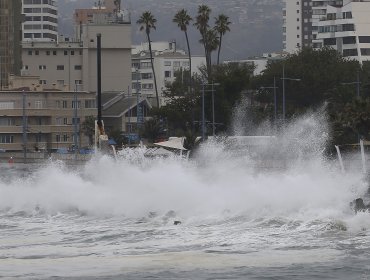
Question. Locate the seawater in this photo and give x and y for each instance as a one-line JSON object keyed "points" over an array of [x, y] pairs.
{"points": [[289, 218]]}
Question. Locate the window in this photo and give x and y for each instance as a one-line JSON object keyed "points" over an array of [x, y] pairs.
{"points": [[65, 137], [60, 83], [47, 52], [90, 103], [25, 67], [74, 104], [72, 52], [57, 138], [65, 121], [60, 67], [146, 75], [145, 65], [64, 104], [167, 63], [4, 121], [364, 39], [37, 52], [65, 52], [330, 42], [78, 67], [59, 121], [349, 40], [5, 138], [54, 52], [167, 74], [42, 82], [75, 121], [38, 104], [42, 67], [176, 63], [350, 52], [147, 86], [29, 52], [78, 82], [57, 104], [365, 52]]}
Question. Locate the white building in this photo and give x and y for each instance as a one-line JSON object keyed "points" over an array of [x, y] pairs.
{"points": [[347, 29], [167, 60], [300, 22], [40, 20]]}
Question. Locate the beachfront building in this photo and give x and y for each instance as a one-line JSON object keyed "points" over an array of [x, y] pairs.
{"points": [[42, 120], [347, 29], [167, 61]]}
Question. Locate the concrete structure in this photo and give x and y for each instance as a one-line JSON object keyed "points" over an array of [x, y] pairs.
{"points": [[167, 60], [347, 29], [65, 64], [10, 27], [40, 20], [300, 22], [43, 120]]}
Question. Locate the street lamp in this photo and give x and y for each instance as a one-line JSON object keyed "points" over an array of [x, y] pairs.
{"points": [[289, 79], [213, 109], [275, 98], [357, 83]]}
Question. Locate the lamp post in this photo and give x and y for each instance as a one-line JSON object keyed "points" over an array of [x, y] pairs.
{"points": [[213, 108], [283, 79], [24, 127], [275, 97], [357, 83]]}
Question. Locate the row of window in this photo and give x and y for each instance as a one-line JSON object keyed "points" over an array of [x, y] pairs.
{"points": [[347, 40], [336, 28], [39, 35], [41, 18], [65, 121], [39, 26], [40, 10], [54, 52], [60, 82], [354, 52], [31, 2], [59, 67]]}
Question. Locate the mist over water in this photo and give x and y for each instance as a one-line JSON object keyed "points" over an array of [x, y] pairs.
{"points": [[273, 205]]}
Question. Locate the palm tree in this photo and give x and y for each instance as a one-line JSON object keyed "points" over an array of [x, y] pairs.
{"points": [[183, 19], [147, 22], [222, 26], [201, 23]]}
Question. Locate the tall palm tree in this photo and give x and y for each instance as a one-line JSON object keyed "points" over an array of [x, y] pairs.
{"points": [[183, 19], [202, 25], [147, 22], [222, 26]]}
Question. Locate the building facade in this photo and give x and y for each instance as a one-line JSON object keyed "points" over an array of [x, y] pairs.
{"points": [[43, 120], [347, 29], [167, 60], [67, 64], [40, 20], [10, 28], [301, 20]]}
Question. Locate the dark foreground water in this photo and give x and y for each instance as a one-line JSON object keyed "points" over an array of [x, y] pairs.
{"points": [[115, 220]]}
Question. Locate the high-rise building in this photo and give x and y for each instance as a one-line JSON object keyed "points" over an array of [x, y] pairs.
{"points": [[301, 20], [10, 58], [341, 24], [40, 21]]}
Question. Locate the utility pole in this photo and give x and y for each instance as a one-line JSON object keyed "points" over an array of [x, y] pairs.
{"points": [[75, 123], [24, 128], [290, 79]]}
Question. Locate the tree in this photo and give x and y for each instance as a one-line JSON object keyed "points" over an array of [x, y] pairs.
{"points": [[221, 26], [202, 25], [88, 128], [147, 22], [183, 20], [152, 129]]}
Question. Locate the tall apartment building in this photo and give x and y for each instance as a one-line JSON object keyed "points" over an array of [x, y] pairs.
{"points": [[10, 21], [40, 20], [300, 22], [347, 29]]}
